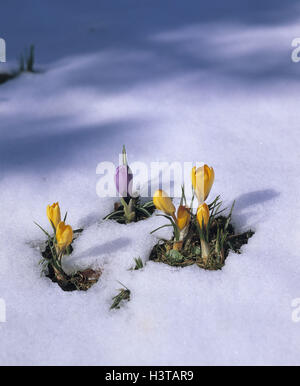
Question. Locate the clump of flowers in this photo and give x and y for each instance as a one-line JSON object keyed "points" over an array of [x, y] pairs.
{"points": [[204, 237], [180, 221], [57, 246], [130, 208]]}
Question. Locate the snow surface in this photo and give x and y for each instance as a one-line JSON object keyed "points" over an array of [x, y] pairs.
{"points": [[174, 81]]}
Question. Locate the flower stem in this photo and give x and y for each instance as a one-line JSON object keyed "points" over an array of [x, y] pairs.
{"points": [[178, 230], [124, 155], [204, 250]]}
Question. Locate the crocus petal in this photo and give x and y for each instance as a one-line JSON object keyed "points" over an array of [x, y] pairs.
{"points": [[203, 214], [202, 181], [53, 214], [64, 235], [163, 202], [183, 217], [123, 180]]}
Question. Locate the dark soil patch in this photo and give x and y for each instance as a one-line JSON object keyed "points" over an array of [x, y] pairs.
{"points": [[79, 281], [191, 250]]}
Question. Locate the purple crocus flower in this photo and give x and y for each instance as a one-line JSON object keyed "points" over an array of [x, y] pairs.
{"points": [[123, 177]]}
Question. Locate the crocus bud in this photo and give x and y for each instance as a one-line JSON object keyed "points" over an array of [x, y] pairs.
{"points": [[163, 202], [53, 214], [202, 181], [183, 217], [64, 235], [123, 177], [203, 215]]}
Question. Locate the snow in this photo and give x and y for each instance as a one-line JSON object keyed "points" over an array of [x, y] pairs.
{"points": [[174, 83]]}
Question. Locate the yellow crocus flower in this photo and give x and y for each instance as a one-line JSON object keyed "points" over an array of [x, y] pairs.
{"points": [[163, 202], [183, 217], [64, 235], [202, 181], [53, 214], [203, 215]]}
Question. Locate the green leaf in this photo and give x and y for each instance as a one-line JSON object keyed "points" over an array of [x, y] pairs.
{"points": [[126, 207], [183, 198], [192, 200], [80, 230], [219, 212], [214, 202], [163, 226], [175, 227], [144, 211], [46, 233], [138, 263], [54, 229], [229, 216], [68, 250], [124, 294], [117, 212], [148, 204]]}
